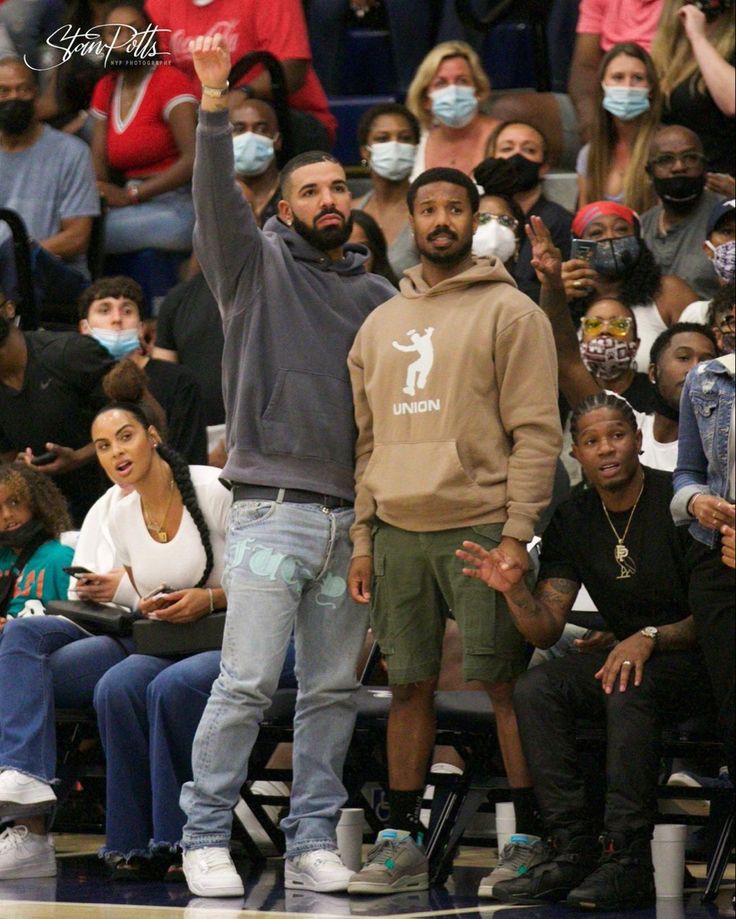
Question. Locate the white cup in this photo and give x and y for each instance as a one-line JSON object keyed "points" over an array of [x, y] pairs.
{"points": [[668, 858], [505, 823], [670, 908], [350, 837]]}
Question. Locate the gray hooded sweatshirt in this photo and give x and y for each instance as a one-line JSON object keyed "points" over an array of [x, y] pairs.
{"points": [[290, 315]]}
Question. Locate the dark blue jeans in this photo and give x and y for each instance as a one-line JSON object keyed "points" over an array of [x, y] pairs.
{"points": [[148, 710], [45, 662]]}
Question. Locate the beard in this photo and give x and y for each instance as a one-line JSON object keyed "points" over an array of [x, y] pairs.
{"points": [[448, 259], [325, 239]]}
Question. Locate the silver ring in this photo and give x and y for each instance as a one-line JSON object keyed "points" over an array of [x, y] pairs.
{"points": [[577, 284], [627, 663]]}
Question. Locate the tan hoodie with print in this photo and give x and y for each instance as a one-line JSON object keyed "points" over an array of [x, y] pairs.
{"points": [[455, 391]]}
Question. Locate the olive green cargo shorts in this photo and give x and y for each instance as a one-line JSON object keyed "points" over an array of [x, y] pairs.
{"points": [[417, 581]]}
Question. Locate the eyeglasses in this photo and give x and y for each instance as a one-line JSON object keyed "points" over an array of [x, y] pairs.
{"points": [[665, 161], [503, 219], [619, 328]]}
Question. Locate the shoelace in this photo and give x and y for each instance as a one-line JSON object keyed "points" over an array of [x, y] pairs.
{"points": [[379, 855], [322, 859], [214, 859], [12, 837], [515, 854]]}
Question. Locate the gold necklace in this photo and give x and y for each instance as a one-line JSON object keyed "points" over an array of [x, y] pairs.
{"points": [[158, 531], [626, 564]]}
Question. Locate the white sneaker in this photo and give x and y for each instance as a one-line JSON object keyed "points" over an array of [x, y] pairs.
{"points": [[17, 788], [320, 870], [210, 872], [26, 855]]}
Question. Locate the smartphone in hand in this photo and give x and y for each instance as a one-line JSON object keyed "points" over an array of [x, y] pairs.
{"points": [[43, 459], [583, 249], [76, 571]]}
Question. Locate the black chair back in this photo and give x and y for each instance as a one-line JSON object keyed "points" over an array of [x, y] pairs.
{"points": [[27, 306]]}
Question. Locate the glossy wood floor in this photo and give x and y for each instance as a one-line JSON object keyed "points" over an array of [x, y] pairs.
{"points": [[82, 891]]}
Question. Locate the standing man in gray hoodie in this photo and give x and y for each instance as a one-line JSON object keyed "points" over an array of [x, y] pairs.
{"points": [[291, 302]]}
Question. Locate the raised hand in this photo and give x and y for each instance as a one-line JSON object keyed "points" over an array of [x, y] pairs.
{"points": [[211, 59], [494, 567], [693, 21], [546, 257]]}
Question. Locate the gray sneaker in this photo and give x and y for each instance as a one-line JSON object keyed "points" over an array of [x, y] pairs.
{"points": [[519, 855], [394, 863]]}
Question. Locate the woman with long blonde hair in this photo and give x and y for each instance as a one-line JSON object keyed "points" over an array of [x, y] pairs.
{"points": [[628, 106], [694, 56], [445, 95]]}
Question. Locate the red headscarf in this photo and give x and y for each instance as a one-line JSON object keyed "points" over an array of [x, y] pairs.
{"points": [[596, 209]]}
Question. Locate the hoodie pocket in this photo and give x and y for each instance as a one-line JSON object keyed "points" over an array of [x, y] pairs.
{"points": [[310, 415], [415, 479]]}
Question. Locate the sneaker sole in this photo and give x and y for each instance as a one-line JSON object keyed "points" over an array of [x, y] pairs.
{"points": [[230, 891], [305, 882], [405, 882], [46, 869], [22, 807]]}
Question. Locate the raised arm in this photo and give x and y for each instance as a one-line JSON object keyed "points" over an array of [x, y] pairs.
{"points": [[227, 240], [576, 382], [718, 74]]}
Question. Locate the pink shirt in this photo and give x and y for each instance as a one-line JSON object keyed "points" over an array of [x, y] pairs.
{"points": [[619, 21]]}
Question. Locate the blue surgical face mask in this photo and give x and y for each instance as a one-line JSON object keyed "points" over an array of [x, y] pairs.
{"points": [[119, 344], [253, 153], [392, 160], [625, 102], [454, 106]]}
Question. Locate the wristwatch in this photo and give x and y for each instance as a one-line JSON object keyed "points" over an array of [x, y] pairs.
{"points": [[651, 631], [216, 92]]}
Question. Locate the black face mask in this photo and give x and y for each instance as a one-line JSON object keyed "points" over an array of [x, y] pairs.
{"points": [[680, 193], [16, 115], [22, 535], [527, 172], [613, 258], [662, 407]]}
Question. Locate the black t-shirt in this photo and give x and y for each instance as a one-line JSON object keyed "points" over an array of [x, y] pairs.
{"points": [[60, 395], [558, 221], [697, 111], [189, 323], [177, 392], [640, 395], [579, 546]]}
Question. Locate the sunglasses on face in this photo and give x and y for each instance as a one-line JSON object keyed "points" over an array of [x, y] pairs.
{"points": [[510, 222], [619, 328]]}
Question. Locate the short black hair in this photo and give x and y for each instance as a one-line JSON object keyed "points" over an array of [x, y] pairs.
{"points": [[662, 341], [443, 174], [308, 158], [118, 285], [603, 399], [386, 108]]}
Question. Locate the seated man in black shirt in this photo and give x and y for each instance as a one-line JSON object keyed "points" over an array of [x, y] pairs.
{"points": [[618, 539]]}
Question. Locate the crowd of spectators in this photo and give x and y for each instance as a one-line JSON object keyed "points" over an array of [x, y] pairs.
{"points": [[608, 329]]}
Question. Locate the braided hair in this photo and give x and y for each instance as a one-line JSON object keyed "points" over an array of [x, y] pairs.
{"points": [[603, 399], [125, 386]]}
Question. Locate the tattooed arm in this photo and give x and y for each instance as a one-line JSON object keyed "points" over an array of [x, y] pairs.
{"points": [[539, 617]]}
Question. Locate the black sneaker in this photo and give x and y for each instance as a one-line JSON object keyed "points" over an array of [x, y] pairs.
{"points": [[624, 878], [570, 862]]}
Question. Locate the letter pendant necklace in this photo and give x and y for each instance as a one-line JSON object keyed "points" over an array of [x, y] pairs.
{"points": [[158, 531], [627, 565]]}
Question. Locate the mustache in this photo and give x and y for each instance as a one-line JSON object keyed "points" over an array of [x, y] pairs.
{"points": [[325, 211], [441, 231]]}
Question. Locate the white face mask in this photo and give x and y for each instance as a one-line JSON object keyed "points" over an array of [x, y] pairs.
{"points": [[493, 239], [393, 160]]}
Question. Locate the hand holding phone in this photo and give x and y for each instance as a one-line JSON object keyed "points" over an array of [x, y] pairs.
{"points": [[583, 249], [76, 571], [43, 459]]}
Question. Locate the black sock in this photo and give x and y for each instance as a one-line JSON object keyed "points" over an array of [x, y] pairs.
{"points": [[404, 810], [528, 818]]}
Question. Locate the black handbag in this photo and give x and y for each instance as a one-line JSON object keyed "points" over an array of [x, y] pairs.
{"points": [[95, 618], [172, 639]]}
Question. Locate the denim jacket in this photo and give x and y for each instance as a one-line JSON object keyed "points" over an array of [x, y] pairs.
{"points": [[702, 455]]}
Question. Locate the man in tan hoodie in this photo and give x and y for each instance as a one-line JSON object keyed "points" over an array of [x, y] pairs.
{"points": [[455, 390]]}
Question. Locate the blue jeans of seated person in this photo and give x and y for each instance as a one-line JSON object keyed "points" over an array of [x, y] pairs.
{"points": [[148, 709], [165, 222], [45, 663], [285, 568]]}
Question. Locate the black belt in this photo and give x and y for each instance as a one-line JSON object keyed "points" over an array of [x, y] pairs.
{"points": [[285, 495]]}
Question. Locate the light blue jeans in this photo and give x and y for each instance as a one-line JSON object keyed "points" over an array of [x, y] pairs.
{"points": [[285, 568], [165, 222]]}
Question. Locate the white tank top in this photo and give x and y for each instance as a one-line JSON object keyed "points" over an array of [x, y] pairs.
{"points": [[649, 325], [654, 454]]}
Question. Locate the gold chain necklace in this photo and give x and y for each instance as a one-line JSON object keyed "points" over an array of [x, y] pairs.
{"points": [[158, 531], [626, 564]]}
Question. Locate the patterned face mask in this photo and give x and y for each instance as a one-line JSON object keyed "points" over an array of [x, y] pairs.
{"points": [[607, 357], [724, 260]]}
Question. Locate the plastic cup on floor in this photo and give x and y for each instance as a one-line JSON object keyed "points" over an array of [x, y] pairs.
{"points": [[668, 858], [350, 837], [505, 823]]}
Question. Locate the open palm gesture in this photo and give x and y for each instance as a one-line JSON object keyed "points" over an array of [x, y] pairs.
{"points": [[494, 567], [211, 59], [546, 257]]}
